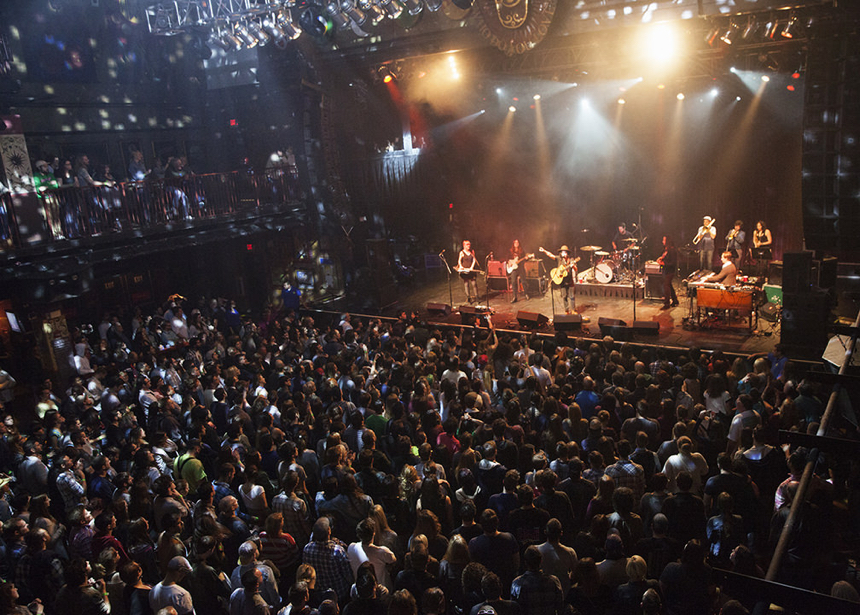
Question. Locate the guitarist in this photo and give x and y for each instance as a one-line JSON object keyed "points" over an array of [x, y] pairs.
{"points": [[517, 256], [467, 266], [562, 276]]}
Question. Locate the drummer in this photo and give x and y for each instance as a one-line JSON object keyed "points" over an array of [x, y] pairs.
{"points": [[623, 238]]}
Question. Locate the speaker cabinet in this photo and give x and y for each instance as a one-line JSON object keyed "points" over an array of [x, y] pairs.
{"points": [[646, 327], [796, 272], [774, 273], [439, 309], [496, 269], [532, 269], [613, 326], [567, 322], [531, 320], [827, 272], [804, 322], [654, 286]]}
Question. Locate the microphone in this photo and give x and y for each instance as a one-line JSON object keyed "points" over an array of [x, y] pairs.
{"points": [[442, 252]]}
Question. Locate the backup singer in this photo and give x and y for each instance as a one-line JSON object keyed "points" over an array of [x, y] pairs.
{"points": [[762, 247], [735, 239], [669, 261], [562, 275], [467, 263], [705, 242]]}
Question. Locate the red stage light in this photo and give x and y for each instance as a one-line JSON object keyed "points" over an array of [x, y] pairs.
{"points": [[249, 247], [450, 205], [790, 88], [387, 79], [795, 75], [234, 122]]}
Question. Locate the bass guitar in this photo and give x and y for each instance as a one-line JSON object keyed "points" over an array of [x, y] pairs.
{"points": [[467, 272], [514, 263]]}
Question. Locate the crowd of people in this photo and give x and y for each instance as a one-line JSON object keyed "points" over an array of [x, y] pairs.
{"points": [[202, 461]]}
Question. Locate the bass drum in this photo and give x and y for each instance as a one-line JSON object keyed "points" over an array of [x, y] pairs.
{"points": [[605, 271]]}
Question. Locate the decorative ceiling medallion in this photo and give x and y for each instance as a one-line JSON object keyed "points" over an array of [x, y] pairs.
{"points": [[512, 13], [515, 26]]}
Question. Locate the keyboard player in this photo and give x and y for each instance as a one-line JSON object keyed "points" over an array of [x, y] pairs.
{"points": [[728, 272]]}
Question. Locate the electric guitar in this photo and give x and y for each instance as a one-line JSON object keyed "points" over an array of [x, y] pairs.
{"points": [[514, 263], [466, 272]]}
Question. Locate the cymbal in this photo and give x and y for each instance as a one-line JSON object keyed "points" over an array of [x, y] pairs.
{"points": [[634, 248], [601, 253], [590, 248]]}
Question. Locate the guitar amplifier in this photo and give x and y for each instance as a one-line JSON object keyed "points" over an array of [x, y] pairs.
{"points": [[653, 267], [496, 269], [532, 268]]}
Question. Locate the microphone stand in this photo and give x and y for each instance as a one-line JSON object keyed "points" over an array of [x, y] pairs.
{"points": [[448, 268], [487, 280]]}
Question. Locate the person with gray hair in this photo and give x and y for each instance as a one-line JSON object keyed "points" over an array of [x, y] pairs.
{"points": [[248, 552]]}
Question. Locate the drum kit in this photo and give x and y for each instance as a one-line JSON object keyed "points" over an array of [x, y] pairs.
{"points": [[618, 266]]}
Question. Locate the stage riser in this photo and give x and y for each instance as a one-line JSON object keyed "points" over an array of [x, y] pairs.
{"points": [[607, 290]]}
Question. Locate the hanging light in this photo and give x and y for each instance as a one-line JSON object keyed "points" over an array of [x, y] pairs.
{"points": [[750, 29], [792, 28], [338, 17], [712, 36], [217, 39], [729, 35], [270, 25], [771, 29], [433, 5], [231, 41], [290, 29], [392, 7], [413, 7], [242, 33], [258, 33], [372, 10], [350, 7]]}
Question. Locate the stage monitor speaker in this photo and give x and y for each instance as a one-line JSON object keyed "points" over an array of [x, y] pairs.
{"points": [[469, 315], [769, 311], [827, 272], [646, 327], [531, 320], [796, 272], [496, 269], [439, 308], [567, 322], [613, 326], [654, 286], [774, 273]]}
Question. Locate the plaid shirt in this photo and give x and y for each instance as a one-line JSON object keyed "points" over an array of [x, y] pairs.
{"points": [[296, 518], [537, 593], [331, 563], [73, 492], [628, 474]]}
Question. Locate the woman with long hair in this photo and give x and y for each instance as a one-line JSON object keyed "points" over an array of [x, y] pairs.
{"points": [[451, 568], [432, 498]]}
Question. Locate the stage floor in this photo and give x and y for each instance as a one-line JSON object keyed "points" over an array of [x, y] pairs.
{"points": [[676, 328]]}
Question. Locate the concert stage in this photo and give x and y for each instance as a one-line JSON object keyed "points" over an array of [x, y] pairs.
{"points": [[678, 327]]}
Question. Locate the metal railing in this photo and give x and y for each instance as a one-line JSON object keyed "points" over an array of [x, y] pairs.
{"points": [[75, 213]]}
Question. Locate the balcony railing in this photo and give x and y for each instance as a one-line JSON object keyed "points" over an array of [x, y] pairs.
{"points": [[74, 213]]}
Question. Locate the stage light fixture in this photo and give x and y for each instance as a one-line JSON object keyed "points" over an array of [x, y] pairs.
{"points": [[291, 30], [621, 101], [730, 34], [338, 17], [792, 28], [257, 32], [392, 8], [217, 39], [242, 33], [512, 109], [270, 25], [680, 96], [372, 10], [750, 29], [433, 5], [350, 7], [771, 29], [413, 7], [536, 96], [713, 33], [765, 78]]}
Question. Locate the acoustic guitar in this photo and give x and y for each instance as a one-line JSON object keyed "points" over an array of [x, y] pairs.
{"points": [[558, 274], [514, 263]]}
